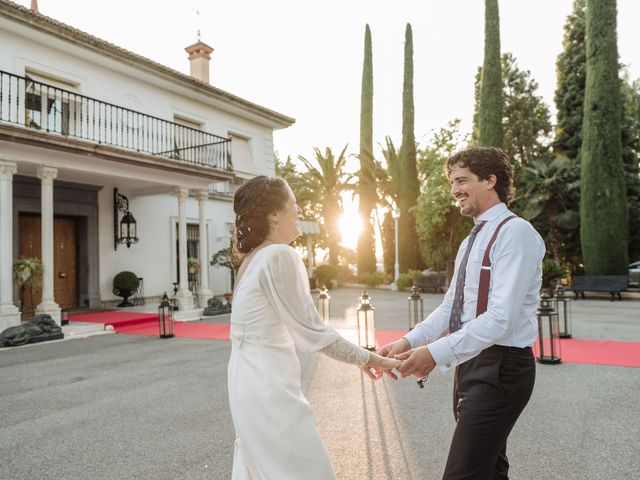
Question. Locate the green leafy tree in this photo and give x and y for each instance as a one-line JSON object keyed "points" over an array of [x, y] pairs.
{"points": [[603, 203], [542, 201], [389, 181], [325, 180], [408, 248], [571, 75], [631, 158], [569, 99], [440, 225], [367, 181], [491, 103]]}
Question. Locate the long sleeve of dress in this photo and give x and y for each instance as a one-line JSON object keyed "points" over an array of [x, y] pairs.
{"points": [[285, 282], [345, 351]]}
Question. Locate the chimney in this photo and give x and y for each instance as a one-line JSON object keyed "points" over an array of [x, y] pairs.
{"points": [[34, 5], [199, 56]]}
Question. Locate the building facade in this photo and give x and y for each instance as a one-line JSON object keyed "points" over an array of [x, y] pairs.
{"points": [[111, 162]]}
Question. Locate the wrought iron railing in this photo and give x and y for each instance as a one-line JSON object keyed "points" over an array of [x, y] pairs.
{"points": [[38, 105], [227, 188]]}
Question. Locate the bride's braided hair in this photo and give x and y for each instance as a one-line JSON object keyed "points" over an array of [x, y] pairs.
{"points": [[252, 203]]}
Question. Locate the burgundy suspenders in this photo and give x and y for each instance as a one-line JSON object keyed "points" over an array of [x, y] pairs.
{"points": [[485, 272]]}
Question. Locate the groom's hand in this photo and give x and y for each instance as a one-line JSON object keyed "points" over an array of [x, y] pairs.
{"points": [[418, 362], [391, 350]]}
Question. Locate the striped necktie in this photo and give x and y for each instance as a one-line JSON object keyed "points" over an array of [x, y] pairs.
{"points": [[458, 299]]}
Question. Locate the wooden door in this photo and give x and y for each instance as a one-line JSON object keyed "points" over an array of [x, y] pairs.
{"points": [[65, 284]]}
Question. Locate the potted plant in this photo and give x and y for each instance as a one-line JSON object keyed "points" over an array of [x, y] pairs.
{"points": [[27, 271], [193, 266], [552, 273], [224, 258], [125, 284]]}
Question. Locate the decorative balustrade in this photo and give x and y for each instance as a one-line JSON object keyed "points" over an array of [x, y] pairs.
{"points": [[40, 106]]}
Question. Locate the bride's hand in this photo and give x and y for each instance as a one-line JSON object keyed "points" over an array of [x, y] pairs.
{"points": [[377, 365]]}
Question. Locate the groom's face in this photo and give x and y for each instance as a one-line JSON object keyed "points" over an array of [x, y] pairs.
{"points": [[472, 194]]}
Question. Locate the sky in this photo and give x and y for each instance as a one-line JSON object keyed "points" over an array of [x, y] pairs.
{"points": [[304, 58]]}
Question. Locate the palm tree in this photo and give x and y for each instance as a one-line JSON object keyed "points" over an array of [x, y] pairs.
{"points": [[389, 181], [544, 199], [324, 183]]}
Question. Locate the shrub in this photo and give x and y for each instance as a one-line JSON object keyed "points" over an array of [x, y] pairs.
{"points": [[125, 282], [552, 273], [404, 280], [344, 275], [324, 274], [372, 279]]}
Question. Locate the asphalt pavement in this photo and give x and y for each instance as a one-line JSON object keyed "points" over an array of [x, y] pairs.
{"points": [[133, 407]]}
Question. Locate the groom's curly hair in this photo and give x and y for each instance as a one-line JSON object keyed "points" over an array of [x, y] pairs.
{"points": [[253, 201], [484, 162]]}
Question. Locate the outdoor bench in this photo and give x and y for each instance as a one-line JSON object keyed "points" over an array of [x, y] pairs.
{"points": [[613, 284], [432, 282]]}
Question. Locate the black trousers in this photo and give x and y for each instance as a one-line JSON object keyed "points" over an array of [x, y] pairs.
{"points": [[489, 393]]}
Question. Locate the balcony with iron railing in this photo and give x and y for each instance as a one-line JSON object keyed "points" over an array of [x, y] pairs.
{"points": [[44, 107]]}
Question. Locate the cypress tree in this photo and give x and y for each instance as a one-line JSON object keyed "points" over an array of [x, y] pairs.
{"points": [[603, 202], [367, 182], [491, 102], [408, 248], [571, 74], [571, 68]]}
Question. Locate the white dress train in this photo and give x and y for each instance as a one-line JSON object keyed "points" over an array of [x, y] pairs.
{"points": [[273, 313]]}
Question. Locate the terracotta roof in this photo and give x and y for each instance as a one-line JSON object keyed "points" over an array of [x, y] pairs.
{"points": [[51, 26]]}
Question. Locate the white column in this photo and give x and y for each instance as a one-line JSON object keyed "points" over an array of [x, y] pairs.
{"points": [[48, 304], [204, 293], [9, 313], [185, 299]]}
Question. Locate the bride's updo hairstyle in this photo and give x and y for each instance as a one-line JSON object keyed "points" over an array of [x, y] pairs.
{"points": [[252, 203]]}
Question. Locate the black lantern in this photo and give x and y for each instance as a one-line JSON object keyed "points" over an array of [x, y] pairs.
{"points": [[416, 308], [562, 303], [323, 304], [64, 317], [548, 331], [126, 230], [165, 317], [366, 323]]}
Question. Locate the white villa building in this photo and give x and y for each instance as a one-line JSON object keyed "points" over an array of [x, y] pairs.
{"points": [[92, 135]]}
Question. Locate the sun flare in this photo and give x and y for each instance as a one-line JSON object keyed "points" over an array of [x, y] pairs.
{"points": [[350, 229]]}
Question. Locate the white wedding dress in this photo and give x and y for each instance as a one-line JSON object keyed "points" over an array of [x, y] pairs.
{"points": [[273, 313]]}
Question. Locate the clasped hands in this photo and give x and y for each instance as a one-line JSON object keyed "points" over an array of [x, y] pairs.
{"points": [[399, 355]]}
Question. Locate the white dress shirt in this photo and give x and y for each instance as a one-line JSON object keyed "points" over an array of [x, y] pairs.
{"points": [[516, 277]]}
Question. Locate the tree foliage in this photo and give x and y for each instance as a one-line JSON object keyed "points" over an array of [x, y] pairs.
{"points": [[439, 223], [323, 183], [367, 181], [491, 102], [603, 203], [408, 248]]}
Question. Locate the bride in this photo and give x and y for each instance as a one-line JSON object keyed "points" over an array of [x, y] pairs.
{"points": [[273, 314]]}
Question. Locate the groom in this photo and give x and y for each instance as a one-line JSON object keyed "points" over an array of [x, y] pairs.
{"points": [[489, 313]]}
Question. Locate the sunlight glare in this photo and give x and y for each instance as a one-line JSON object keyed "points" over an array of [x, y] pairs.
{"points": [[350, 228]]}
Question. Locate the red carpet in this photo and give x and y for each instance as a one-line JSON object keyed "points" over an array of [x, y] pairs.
{"points": [[596, 352], [134, 323], [114, 318]]}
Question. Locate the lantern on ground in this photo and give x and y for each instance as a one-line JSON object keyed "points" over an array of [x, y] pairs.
{"points": [[548, 331], [366, 322], [563, 307], [64, 317], [165, 317], [416, 308], [323, 304]]}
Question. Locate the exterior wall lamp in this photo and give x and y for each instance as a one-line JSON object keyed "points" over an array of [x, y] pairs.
{"points": [[125, 230]]}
